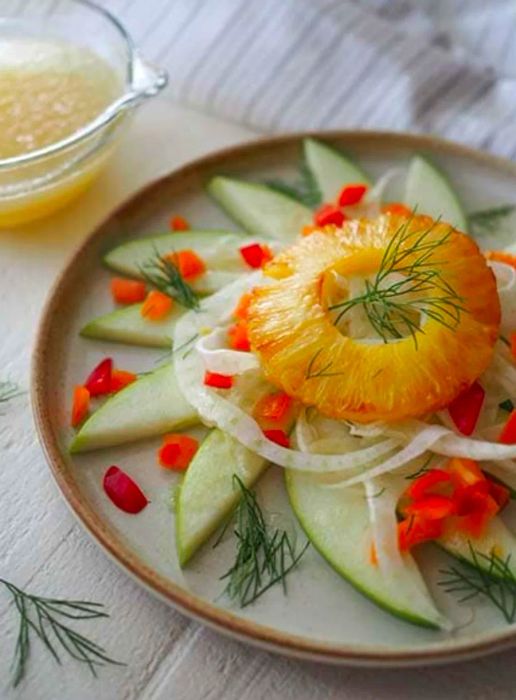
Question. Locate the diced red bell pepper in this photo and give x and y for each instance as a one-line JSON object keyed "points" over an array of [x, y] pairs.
{"points": [[80, 405], [177, 451], [414, 530], [508, 434], [432, 507], [273, 407], [218, 381], [483, 507], [179, 223], [351, 194], [499, 492], [238, 337], [123, 491], [465, 409], [513, 345], [328, 215], [428, 483], [280, 437], [120, 378], [99, 381], [127, 291], [256, 255], [242, 308]]}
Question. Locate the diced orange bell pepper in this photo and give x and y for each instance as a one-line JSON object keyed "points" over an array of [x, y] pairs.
{"points": [[373, 556], [307, 230], [127, 291], [501, 256], [179, 223], [120, 378], [156, 306], [464, 472], [273, 407], [177, 451], [189, 263], [80, 405], [238, 337], [397, 209], [508, 434], [242, 308]]}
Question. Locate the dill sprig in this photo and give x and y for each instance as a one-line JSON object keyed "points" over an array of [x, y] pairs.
{"points": [[488, 220], [312, 373], [487, 575], [45, 618], [394, 308], [305, 190], [9, 390], [263, 557], [164, 274]]}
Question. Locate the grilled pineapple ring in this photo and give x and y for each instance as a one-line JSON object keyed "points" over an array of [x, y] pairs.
{"points": [[303, 352]]}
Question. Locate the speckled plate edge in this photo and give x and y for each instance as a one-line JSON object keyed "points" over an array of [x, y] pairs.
{"points": [[191, 605]]}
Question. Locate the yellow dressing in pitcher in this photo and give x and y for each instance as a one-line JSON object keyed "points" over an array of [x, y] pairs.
{"points": [[48, 91]]}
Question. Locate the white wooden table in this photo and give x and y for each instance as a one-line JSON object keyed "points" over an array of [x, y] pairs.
{"points": [[44, 549]]}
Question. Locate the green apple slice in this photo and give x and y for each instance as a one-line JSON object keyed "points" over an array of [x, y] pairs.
{"points": [[207, 494], [218, 249], [495, 538], [259, 209], [331, 169], [128, 326], [337, 523], [153, 405], [429, 191]]}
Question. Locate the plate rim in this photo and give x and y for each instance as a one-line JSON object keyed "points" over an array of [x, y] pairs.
{"points": [[189, 604]]}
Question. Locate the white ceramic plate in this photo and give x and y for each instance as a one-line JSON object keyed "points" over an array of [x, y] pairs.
{"points": [[322, 617]]}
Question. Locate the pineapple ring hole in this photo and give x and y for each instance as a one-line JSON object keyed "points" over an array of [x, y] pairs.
{"points": [[346, 279]]}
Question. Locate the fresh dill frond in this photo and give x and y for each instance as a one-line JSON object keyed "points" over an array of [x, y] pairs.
{"points": [[488, 220], [408, 285], [422, 470], [487, 575], [506, 405], [45, 618], [264, 557], [164, 274], [305, 190], [9, 390], [312, 373]]}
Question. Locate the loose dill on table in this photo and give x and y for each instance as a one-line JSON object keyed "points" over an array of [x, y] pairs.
{"points": [[45, 618], [264, 557], [9, 390], [394, 309], [506, 405], [488, 221], [164, 274], [486, 575], [305, 190]]}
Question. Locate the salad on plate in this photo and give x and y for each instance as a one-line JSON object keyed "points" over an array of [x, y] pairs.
{"points": [[359, 335]]}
